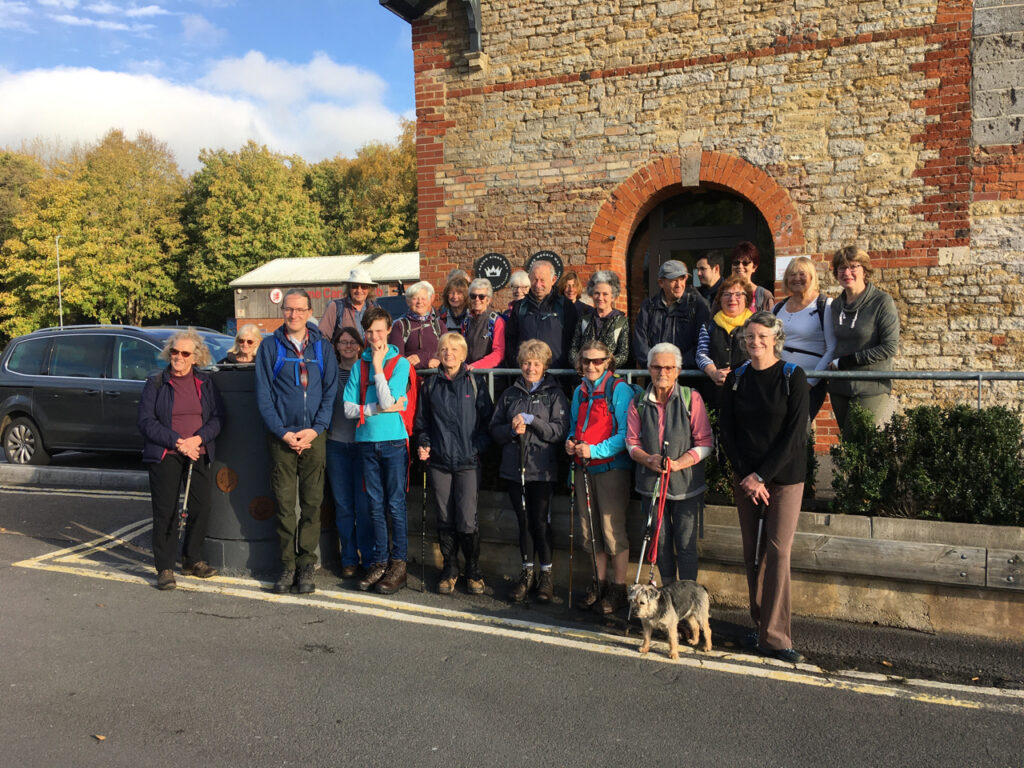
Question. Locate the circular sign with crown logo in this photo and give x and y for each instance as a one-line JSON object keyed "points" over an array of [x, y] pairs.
{"points": [[495, 268], [551, 256]]}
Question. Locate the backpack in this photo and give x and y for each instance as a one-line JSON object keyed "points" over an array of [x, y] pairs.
{"points": [[639, 398], [492, 316], [609, 395], [282, 358], [406, 325], [409, 412], [787, 371], [821, 301]]}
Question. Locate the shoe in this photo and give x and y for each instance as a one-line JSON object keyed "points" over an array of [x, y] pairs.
{"points": [[594, 594], [446, 586], [394, 578], [786, 654], [372, 576], [349, 571], [545, 587], [614, 599], [470, 544], [165, 579], [750, 642], [200, 569], [284, 584], [522, 589], [475, 586], [306, 585]]}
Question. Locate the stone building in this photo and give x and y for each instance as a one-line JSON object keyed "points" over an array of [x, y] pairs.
{"points": [[619, 133]]}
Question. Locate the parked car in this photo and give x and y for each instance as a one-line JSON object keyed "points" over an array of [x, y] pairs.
{"points": [[78, 388]]}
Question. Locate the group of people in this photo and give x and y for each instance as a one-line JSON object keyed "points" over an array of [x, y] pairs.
{"points": [[344, 398]]}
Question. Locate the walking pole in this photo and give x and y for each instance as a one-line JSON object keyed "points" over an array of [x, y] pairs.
{"points": [[762, 509], [648, 529], [423, 534], [661, 516], [183, 516], [590, 515], [572, 520], [522, 477]]}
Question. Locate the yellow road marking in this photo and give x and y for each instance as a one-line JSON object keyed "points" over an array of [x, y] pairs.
{"points": [[546, 634]]}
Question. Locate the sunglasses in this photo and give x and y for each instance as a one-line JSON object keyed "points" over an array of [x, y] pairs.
{"points": [[245, 342], [595, 361], [742, 263], [181, 353], [479, 296]]}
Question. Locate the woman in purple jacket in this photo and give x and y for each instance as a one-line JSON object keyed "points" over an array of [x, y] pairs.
{"points": [[180, 416]]}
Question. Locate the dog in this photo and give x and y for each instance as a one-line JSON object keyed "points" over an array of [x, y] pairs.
{"points": [[664, 608]]}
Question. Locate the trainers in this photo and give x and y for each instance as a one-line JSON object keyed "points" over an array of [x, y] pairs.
{"points": [[475, 586], [284, 584], [306, 585], [545, 587], [594, 594], [394, 578], [165, 579], [375, 574], [522, 589], [614, 599], [201, 570]]}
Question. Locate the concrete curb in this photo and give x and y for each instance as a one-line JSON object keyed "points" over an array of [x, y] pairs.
{"points": [[71, 477]]}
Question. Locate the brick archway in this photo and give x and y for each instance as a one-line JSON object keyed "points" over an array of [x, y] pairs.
{"points": [[662, 178]]}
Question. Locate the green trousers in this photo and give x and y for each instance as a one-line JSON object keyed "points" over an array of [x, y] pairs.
{"points": [[294, 474]]}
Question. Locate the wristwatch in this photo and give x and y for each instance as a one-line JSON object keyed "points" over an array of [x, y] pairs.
{"points": [[759, 478]]}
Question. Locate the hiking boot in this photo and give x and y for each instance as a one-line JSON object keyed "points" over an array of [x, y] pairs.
{"points": [[375, 574], [470, 544], [394, 578], [545, 587], [201, 570], [522, 589], [594, 594], [165, 579], [285, 582], [614, 599], [349, 571], [446, 585], [306, 585], [475, 586]]}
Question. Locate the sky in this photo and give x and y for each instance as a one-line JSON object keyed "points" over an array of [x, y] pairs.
{"points": [[317, 78]]}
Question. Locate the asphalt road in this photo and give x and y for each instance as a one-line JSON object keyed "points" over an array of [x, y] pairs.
{"points": [[222, 673]]}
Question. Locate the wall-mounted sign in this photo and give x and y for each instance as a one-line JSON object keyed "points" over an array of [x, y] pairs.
{"points": [[495, 268], [551, 256], [276, 294]]}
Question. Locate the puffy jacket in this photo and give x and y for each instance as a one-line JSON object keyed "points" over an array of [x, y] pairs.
{"points": [[544, 437], [679, 324], [156, 405], [452, 419], [283, 404]]}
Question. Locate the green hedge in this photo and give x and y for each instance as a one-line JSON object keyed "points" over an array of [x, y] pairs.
{"points": [[957, 464]]}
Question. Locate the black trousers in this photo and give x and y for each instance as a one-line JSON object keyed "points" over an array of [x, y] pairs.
{"points": [[165, 482], [535, 523]]}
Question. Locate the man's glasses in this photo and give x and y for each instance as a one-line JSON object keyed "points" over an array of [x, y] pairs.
{"points": [[295, 310], [666, 368], [181, 353]]}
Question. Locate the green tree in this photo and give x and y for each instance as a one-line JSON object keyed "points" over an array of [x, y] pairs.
{"points": [[369, 203], [117, 214], [243, 209]]}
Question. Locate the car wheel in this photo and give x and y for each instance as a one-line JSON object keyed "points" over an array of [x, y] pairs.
{"points": [[23, 443]]}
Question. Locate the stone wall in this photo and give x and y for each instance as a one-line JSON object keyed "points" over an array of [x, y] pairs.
{"points": [[841, 122]]}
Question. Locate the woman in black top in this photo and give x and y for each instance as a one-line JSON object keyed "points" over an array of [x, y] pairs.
{"points": [[764, 433]]}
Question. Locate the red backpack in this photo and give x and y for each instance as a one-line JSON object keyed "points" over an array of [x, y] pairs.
{"points": [[409, 412]]}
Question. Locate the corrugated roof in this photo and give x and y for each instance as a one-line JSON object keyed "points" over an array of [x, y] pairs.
{"points": [[332, 270]]}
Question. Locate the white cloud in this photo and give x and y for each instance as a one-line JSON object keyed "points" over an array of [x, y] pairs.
{"points": [[105, 8], [136, 12], [66, 4], [13, 16], [198, 31], [323, 120], [112, 26]]}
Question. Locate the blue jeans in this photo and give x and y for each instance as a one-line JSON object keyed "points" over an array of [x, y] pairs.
{"points": [[385, 470], [351, 515], [677, 544]]}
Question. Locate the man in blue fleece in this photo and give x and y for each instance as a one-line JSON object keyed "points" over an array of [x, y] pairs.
{"points": [[296, 383]]}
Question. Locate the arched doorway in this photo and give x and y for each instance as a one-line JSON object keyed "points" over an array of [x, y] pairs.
{"points": [[686, 227]]}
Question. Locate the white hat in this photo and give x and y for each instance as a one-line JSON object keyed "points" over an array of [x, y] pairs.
{"points": [[360, 277]]}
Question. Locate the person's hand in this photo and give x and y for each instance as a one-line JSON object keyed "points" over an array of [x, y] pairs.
{"points": [[684, 461], [189, 446], [288, 438], [717, 375], [306, 437], [414, 360], [570, 447], [518, 424], [379, 353], [583, 450], [756, 491], [423, 452], [433, 363], [399, 405], [654, 462]]}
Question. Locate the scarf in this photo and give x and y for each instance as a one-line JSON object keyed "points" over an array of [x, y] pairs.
{"points": [[730, 324]]}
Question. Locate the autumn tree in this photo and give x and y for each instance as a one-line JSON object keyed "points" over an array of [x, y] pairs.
{"points": [[117, 213], [17, 172], [243, 209], [368, 203]]}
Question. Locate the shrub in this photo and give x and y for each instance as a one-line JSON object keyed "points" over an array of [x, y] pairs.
{"points": [[956, 464]]}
